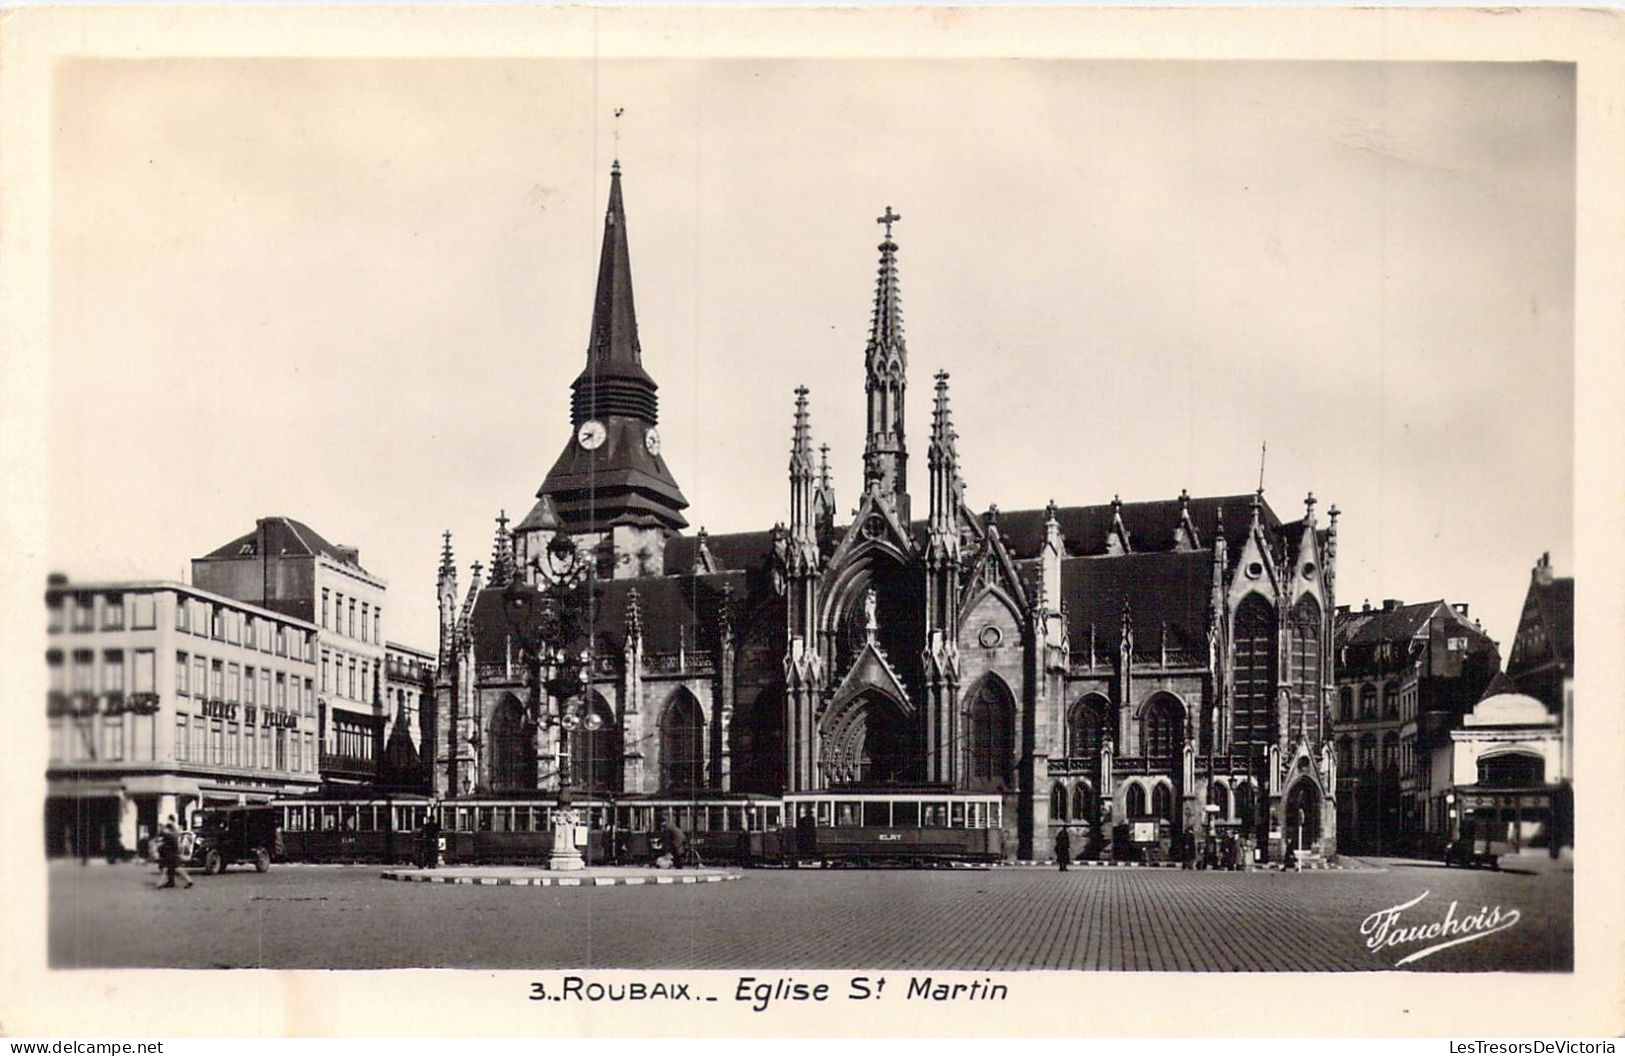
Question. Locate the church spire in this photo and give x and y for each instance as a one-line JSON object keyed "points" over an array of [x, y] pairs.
{"points": [[885, 452], [803, 500], [943, 460], [611, 472]]}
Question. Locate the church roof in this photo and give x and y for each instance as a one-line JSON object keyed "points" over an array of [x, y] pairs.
{"points": [[1375, 626], [1556, 602], [733, 552], [1169, 589], [1151, 525]]}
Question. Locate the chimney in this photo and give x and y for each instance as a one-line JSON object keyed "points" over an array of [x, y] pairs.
{"points": [[1543, 570], [1366, 606], [1460, 607], [56, 579], [351, 554], [1390, 604]]}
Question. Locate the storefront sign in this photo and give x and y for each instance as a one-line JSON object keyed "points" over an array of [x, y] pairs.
{"points": [[285, 719], [219, 709]]}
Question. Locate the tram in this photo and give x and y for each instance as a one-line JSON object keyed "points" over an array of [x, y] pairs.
{"points": [[905, 827]]}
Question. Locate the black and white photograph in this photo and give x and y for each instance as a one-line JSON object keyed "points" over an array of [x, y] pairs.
{"points": [[929, 518]]}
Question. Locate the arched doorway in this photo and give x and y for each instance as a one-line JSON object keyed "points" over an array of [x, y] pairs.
{"points": [[1303, 815], [870, 742], [512, 748], [682, 744]]}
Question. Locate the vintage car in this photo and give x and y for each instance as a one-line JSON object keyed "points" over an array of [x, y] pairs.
{"points": [[227, 836]]}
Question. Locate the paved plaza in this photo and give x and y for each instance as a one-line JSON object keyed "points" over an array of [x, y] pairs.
{"points": [[1009, 918]]}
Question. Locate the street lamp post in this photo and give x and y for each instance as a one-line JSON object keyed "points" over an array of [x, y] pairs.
{"points": [[540, 621]]}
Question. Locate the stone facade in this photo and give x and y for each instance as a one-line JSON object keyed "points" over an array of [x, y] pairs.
{"points": [[1163, 663]]}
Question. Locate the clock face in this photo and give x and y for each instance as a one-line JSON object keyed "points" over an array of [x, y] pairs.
{"points": [[591, 435], [651, 440]]}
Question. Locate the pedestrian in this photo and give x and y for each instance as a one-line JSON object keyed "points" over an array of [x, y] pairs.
{"points": [[431, 840], [676, 843], [1063, 848], [169, 854]]}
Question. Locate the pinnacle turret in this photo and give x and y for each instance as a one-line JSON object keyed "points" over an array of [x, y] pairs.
{"points": [[885, 450]]}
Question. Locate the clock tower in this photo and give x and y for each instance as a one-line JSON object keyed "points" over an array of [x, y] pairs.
{"points": [[610, 487]]}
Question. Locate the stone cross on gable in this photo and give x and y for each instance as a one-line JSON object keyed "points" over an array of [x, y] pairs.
{"points": [[888, 218]]}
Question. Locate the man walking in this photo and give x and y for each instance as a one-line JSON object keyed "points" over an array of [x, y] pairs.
{"points": [[169, 854], [1063, 848]]}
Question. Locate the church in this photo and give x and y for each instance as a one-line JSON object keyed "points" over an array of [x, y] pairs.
{"points": [[1128, 671]]}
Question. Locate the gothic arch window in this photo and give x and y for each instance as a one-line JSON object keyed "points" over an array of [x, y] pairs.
{"points": [[1162, 801], [1512, 770], [1345, 755], [1255, 663], [1134, 801], [1057, 802], [1390, 699], [1086, 728], [595, 755], [1244, 802], [512, 749], [1083, 802], [1368, 701], [682, 744], [992, 735], [1219, 796], [1164, 735], [1306, 666]]}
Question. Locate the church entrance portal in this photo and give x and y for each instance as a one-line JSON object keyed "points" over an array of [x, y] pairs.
{"points": [[1303, 815], [870, 743]]}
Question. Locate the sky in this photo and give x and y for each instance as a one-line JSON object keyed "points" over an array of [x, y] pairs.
{"points": [[355, 293]]}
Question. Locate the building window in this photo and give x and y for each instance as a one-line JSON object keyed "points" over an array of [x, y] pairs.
{"points": [[349, 625], [234, 682], [682, 747], [1083, 806], [200, 676], [234, 744], [1254, 671], [296, 756], [1368, 752], [1306, 670], [1164, 728], [310, 699], [144, 612], [1390, 699], [113, 671], [217, 623], [326, 659], [182, 738], [1368, 701], [1345, 704], [1512, 770], [281, 691], [199, 733], [1134, 801], [113, 738], [113, 612], [595, 755], [182, 615], [84, 671], [1057, 802], [248, 685], [217, 680], [1345, 755], [84, 612], [351, 694], [265, 687], [324, 606], [1390, 751], [143, 674], [53, 614], [992, 735], [1086, 728], [378, 625], [183, 682], [364, 607]]}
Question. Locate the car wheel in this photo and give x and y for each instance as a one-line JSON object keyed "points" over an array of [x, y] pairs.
{"points": [[262, 861], [212, 863]]}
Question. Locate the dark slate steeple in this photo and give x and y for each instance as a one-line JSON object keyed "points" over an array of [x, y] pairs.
{"points": [[611, 471]]}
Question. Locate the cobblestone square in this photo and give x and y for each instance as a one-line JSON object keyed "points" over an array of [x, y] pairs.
{"points": [[1002, 919]]}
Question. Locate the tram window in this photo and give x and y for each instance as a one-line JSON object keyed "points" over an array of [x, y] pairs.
{"points": [[719, 819], [905, 815], [296, 819], [500, 818], [485, 819], [465, 819], [330, 819], [772, 817], [996, 815], [973, 815], [935, 815], [877, 815], [824, 806], [364, 823], [958, 821], [847, 813]]}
